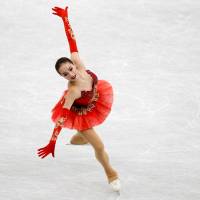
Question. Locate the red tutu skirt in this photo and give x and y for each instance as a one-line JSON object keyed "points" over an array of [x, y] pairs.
{"points": [[87, 116]]}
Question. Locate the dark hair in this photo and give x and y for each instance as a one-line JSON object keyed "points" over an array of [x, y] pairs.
{"points": [[60, 61]]}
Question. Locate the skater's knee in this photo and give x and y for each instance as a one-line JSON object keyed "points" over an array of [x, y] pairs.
{"points": [[78, 139], [74, 141]]}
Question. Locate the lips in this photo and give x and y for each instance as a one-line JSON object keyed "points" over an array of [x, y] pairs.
{"points": [[74, 77]]}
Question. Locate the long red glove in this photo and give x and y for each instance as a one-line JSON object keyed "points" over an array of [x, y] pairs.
{"points": [[64, 113], [50, 148], [63, 13]]}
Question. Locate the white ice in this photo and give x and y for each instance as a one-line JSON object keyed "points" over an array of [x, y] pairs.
{"points": [[149, 51]]}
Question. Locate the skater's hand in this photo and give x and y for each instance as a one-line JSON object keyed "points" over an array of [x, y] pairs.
{"points": [[45, 151], [60, 12]]}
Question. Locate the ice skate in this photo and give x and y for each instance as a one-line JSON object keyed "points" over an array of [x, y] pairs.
{"points": [[115, 185], [114, 181]]}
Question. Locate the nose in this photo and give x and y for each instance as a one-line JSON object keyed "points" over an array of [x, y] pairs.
{"points": [[71, 74]]}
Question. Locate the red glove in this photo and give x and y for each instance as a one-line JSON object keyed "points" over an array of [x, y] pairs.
{"points": [[50, 148], [63, 13], [64, 112], [60, 11]]}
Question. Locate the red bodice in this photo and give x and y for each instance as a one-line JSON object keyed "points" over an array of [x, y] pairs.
{"points": [[86, 96], [91, 109]]}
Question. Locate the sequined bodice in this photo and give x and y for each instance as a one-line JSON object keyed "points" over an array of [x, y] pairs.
{"points": [[86, 96]]}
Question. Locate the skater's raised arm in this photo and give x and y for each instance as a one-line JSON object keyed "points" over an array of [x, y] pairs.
{"points": [[63, 13], [72, 94]]}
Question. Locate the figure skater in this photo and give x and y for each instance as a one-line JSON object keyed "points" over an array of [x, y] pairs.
{"points": [[85, 104]]}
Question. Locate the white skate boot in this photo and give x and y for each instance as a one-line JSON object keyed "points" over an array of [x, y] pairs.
{"points": [[115, 185]]}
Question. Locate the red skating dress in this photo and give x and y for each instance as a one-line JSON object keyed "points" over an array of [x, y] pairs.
{"points": [[90, 109]]}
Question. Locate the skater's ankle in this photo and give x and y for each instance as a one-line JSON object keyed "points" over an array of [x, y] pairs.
{"points": [[112, 176]]}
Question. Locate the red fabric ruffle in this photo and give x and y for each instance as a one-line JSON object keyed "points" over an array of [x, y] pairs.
{"points": [[93, 117]]}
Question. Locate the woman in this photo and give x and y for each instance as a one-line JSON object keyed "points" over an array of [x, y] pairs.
{"points": [[85, 104]]}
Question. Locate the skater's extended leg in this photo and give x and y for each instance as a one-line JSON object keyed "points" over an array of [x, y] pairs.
{"points": [[78, 139], [100, 152]]}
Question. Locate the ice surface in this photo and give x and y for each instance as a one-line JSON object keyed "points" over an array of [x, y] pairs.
{"points": [[149, 51]]}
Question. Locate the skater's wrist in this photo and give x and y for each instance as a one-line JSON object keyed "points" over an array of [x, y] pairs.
{"points": [[52, 141], [65, 20], [55, 133]]}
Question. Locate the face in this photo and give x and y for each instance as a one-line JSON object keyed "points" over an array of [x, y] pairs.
{"points": [[68, 71]]}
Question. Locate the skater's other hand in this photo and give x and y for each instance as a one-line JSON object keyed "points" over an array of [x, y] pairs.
{"points": [[45, 151], [60, 11]]}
